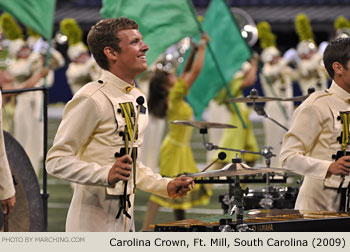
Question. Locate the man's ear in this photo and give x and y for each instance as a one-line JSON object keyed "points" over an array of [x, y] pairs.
{"points": [[110, 53], [337, 67]]}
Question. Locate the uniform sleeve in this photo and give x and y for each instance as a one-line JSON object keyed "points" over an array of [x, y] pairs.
{"points": [[7, 189], [81, 117], [149, 181], [300, 139]]}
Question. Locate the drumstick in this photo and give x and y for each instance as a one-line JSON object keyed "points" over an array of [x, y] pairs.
{"points": [[221, 156], [6, 221], [140, 100]]}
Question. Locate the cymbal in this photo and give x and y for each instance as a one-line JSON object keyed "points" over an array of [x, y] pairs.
{"points": [[255, 99], [203, 125], [296, 98], [231, 170]]}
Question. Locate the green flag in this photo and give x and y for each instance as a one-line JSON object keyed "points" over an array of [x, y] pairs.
{"points": [[228, 50], [162, 23], [37, 14]]}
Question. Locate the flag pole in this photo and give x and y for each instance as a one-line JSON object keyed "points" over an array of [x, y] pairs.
{"points": [[218, 68]]}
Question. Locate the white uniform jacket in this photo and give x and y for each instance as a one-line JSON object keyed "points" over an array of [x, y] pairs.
{"points": [[84, 151], [7, 190], [311, 142]]}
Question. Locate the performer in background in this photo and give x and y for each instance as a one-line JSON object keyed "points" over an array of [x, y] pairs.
{"points": [[240, 138], [310, 69], [28, 119], [276, 79], [96, 146], [26, 63], [166, 98], [342, 27], [18, 51], [82, 68], [312, 142]]}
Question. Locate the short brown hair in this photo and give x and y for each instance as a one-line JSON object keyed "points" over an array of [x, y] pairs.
{"points": [[105, 33], [337, 51]]}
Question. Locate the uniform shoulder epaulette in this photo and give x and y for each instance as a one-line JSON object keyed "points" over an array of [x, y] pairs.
{"points": [[320, 94], [90, 88]]}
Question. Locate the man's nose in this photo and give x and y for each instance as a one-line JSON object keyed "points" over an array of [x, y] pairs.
{"points": [[145, 47]]}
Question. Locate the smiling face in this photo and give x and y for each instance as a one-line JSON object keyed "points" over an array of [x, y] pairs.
{"points": [[131, 60]]}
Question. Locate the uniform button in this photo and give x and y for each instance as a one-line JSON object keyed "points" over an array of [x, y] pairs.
{"points": [[117, 154], [121, 133], [119, 110], [100, 81], [128, 89]]}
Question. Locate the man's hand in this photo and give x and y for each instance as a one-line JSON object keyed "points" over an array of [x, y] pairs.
{"points": [[8, 204], [340, 167], [180, 186], [120, 170], [44, 71], [205, 37]]}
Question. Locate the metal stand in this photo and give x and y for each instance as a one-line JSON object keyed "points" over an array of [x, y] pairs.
{"points": [[261, 111], [266, 152], [44, 194], [238, 204]]}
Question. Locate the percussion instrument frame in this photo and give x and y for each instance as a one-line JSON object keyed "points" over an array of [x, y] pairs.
{"points": [[45, 91]]}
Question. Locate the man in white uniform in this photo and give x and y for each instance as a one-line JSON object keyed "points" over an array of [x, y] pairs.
{"points": [[96, 130], [313, 139]]}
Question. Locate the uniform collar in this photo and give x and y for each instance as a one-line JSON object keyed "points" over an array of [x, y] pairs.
{"points": [[340, 92], [108, 77]]}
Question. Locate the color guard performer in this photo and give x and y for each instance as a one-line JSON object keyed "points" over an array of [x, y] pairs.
{"points": [[240, 138], [167, 99]]}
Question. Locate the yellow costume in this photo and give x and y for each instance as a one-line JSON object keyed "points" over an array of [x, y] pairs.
{"points": [[176, 154], [239, 138]]}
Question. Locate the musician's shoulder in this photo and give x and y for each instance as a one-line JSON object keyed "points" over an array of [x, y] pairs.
{"points": [[319, 95], [90, 88]]}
